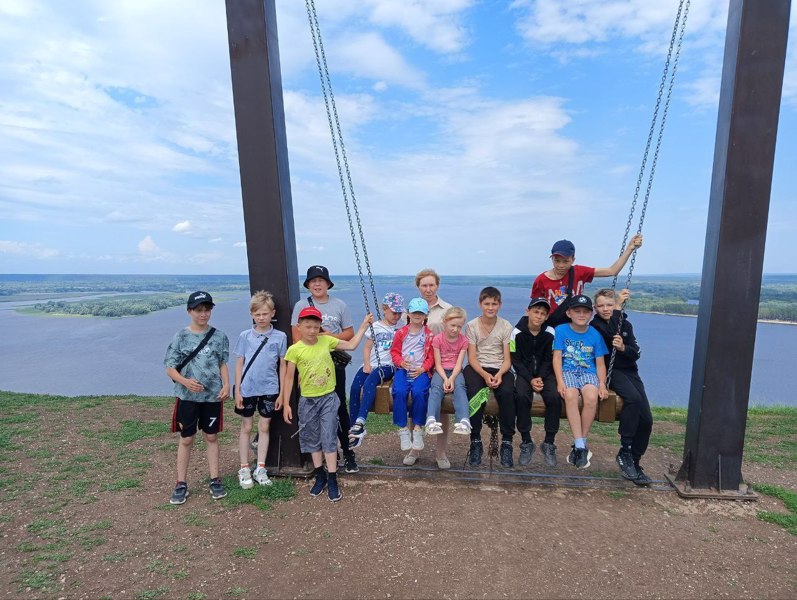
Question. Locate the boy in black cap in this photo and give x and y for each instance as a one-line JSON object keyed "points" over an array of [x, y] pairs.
{"points": [[636, 419], [531, 348], [578, 352], [336, 321], [196, 360], [566, 279]]}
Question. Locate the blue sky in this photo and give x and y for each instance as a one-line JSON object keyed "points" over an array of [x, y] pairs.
{"points": [[477, 132]]}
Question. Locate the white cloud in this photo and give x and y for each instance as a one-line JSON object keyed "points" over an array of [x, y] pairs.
{"points": [[182, 227], [369, 55], [36, 251], [239, 245], [148, 247]]}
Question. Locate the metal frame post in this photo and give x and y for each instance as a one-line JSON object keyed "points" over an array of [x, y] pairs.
{"points": [[265, 180], [752, 81]]}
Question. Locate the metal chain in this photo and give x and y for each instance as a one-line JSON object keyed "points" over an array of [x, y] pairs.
{"points": [[492, 450], [679, 29], [337, 138], [336, 134]]}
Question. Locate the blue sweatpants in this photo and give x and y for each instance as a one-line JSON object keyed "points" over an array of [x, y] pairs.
{"points": [[363, 391], [402, 387]]}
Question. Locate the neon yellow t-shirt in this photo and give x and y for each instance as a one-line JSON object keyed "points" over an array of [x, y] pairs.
{"points": [[315, 366]]}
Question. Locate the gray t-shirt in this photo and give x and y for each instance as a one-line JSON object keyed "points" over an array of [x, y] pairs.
{"points": [[204, 367], [262, 378], [335, 314]]}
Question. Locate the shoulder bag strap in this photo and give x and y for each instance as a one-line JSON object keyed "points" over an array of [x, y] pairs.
{"points": [[570, 275], [196, 350], [254, 356]]}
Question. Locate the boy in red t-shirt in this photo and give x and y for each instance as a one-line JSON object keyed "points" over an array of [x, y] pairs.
{"points": [[565, 279]]}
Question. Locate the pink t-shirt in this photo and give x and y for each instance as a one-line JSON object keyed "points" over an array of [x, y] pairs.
{"points": [[449, 351]]}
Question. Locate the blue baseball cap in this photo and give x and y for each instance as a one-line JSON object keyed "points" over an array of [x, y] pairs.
{"points": [[418, 305], [564, 248]]}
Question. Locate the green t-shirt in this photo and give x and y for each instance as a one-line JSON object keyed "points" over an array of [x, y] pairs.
{"points": [[315, 366]]}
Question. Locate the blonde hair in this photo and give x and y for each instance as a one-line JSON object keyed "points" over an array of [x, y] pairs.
{"points": [[260, 299], [604, 293], [426, 273], [455, 312]]}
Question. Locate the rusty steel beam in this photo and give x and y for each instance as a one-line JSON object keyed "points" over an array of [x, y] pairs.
{"points": [[265, 180], [752, 82]]}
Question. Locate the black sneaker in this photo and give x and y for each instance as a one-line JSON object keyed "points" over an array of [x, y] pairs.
{"points": [[320, 483], [475, 453], [625, 460], [642, 477], [548, 453], [506, 454], [217, 491], [332, 489], [571, 458], [180, 493], [526, 452], [350, 462], [582, 457]]}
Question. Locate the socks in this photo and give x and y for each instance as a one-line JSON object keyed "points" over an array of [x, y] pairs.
{"points": [[261, 465], [581, 442]]}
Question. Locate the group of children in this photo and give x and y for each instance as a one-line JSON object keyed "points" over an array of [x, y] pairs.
{"points": [[557, 349]]}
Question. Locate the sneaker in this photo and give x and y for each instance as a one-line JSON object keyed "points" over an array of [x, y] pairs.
{"points": [[417, 438], [320, 483], [180, 493], [582, 457], [443, 463], [625, 460], [350, 463], [217, 491], [261, 476], [642, 477], [463, 427], [410, 459], [356, 434], [334, 493], [245, 478], [548, 453], [571, 458], [526, 452], [404, 436], [432, 427], [475, 453], [506, 454]]}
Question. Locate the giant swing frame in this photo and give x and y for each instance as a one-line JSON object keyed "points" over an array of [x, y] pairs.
{"points": [[751, 88]]}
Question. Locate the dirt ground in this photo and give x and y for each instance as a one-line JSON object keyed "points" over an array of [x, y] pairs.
{"points": [[85, 514]]}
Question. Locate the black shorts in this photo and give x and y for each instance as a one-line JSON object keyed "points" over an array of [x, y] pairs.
{"points": [[189, 417], [264, 404]]}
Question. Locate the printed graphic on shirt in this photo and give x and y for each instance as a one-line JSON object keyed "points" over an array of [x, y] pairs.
{"points": [[578, 354]]}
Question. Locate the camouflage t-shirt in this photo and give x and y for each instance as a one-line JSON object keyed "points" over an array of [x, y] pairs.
{"points": [[204, 367]]}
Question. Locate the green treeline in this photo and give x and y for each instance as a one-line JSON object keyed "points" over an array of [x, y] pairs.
{"points": [[110, 307]]}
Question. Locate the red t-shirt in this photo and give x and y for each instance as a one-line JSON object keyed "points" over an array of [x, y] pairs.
{"points": [[555, 290]]}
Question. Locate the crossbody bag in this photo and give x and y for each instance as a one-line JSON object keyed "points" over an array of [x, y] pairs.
{"points": [[559, 316], [196, 350], [251, 362]]}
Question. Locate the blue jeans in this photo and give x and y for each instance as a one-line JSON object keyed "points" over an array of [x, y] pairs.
{"points": [[402, 386], [365, 384], [436, 393]]}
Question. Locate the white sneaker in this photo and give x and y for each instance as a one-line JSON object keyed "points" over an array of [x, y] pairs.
{"points": [[261, 476], [245, 478], [404, 436], [463, 427], [432, 427], [417, 439]]}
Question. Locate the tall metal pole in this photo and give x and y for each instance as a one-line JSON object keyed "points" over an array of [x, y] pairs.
{"points": [[265, 179], [752, 81]]}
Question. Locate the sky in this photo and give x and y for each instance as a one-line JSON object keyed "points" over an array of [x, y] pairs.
{"points": [[477, 133]]}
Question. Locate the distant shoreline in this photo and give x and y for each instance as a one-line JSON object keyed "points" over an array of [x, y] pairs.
{"points": [[655, 312]]}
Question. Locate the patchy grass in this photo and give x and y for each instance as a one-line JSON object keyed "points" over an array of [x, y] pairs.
{"points": [[245, 552], [261, 496], [789, 498]]}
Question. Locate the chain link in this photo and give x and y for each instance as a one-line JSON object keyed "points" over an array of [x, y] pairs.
{"points": [[343, 165], [679, 28]]}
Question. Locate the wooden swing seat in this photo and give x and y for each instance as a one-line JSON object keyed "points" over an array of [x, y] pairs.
{"points": [[608, 410]]}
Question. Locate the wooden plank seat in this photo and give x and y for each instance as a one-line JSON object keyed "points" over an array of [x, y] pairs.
{"points": [[608, 410]]}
